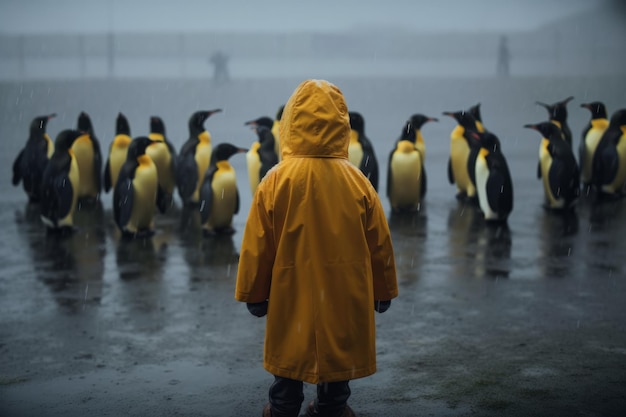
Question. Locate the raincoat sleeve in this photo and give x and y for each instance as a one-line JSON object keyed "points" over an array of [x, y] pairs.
{"points": [[256, 259], [381, 251]]}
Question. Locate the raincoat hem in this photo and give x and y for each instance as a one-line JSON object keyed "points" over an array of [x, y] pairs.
{"points": [[317, 379]]}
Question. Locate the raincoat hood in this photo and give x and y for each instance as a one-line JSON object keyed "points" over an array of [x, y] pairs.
{"points": [[315, 122]]}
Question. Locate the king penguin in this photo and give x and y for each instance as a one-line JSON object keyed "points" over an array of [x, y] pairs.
{"points": [[87, 151], [559, 170], [360, 151], [137, 192], [406, 175], [117, 152], [494, 186], [592, 133], [558, 115], [31, 161], [219, 197], [59, 190], [276, 131], [163, 154], [194, 158], [262, 154], [609, 162], [461, 159]]}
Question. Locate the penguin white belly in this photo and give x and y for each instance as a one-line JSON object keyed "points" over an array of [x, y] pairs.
{"points": [[406, 171], [459, 154], [482, 175], [84, 152], [74, 176], [145, 185], [253, 162], [160, 154], [224, 188], [117, 158], [202, 158], [591, 143]]}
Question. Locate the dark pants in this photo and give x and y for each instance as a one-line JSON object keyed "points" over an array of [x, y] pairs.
{"points": [[286, 397]]}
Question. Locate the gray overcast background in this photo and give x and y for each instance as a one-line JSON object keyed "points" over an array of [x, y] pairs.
{"points": [[96, 16]]}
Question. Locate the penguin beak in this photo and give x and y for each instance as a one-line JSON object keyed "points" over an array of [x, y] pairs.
{"points": [[448, 113], [52, 115], [531, 126], [242, 150], [252, 123], [432, 119], [586, 106], [210, 112], [567, 100]]}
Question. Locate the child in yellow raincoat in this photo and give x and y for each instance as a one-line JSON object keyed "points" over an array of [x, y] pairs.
{"points": [[317, 258]]}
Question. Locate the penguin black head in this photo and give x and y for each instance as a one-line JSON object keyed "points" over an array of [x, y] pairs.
{"points": [[65, 139], [356, 121], [463, 118], [279, 113], [39, 123], [597, 109], [475, 111], [486, 140], [196, 121], [157, 125], [558, 110], [418, 120], [138, 147], [224, 151], [618, 119], [408, 132], [548, 130], [84, 123], [122, 127], [265, 136], [261, 121]]}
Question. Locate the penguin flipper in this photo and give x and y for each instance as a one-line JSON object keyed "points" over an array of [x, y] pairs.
{"points": [[237, 200], [161, 200], [186, 176], [423, 181], [17, 174], [206, 196], [608, 166], [123, 201], [450, 172], [499, 193], [107, 176], [538, 169], [64, 195], [173, 156]]}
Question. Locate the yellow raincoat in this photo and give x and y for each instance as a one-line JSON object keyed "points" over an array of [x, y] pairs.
{"points": [[318, 247]]}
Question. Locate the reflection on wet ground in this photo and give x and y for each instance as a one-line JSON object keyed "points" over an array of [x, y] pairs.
{"points": [[71, 265]]}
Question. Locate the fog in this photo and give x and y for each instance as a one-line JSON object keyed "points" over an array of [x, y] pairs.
{"points": [[115, 39]]}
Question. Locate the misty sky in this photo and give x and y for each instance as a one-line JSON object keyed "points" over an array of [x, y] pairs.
{"points": [[72, 16]]}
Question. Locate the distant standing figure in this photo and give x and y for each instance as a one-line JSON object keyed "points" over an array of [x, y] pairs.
{"points": [[219, 60], [504, 57]]}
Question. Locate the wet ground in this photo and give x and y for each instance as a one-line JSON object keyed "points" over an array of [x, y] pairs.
{"points": [[522, 320]]}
